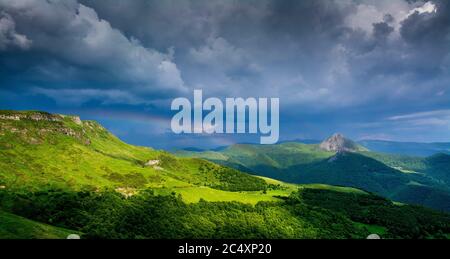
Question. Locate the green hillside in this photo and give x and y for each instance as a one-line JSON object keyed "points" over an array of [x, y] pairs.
{"points": [[266, 160], [436, 167], [15, 227], [43, 151], [74, 174], [416, 180]]}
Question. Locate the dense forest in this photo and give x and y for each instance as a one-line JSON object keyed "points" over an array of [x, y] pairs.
{"points": [[307, 213]]}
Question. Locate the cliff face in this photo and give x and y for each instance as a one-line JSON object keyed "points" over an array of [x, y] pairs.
{"points": [[38, 127]]}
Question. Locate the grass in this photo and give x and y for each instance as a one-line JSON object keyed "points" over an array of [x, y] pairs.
{"points": [[38, 155], [67, 162], [15, 227], [195, 194], [70, 156], [373, 229], [333, 188], [391, 176]]}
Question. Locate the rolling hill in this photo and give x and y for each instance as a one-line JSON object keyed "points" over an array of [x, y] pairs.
{"points": [[15, 227], [72, 174], [44, 151], [406, 148], [414, 180]]}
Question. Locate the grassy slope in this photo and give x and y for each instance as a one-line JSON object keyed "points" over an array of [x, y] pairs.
{"points": [[15, 227], [267, 160], [33, 157], [63, 153], [408, 179]]}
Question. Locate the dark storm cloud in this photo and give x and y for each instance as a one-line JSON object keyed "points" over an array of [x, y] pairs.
{"points": [[428, 36], [382, 30], [428, 28], [340, 60], [69, 47]]}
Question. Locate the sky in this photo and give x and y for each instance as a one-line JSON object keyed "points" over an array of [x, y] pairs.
{"points": [[370, 69]]}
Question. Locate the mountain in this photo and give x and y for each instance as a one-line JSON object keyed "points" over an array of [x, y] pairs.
{"points": [[58, 172], [339, 143], [339, 161], [438, 167], [406, 148], [303, 141], [40, 150]]}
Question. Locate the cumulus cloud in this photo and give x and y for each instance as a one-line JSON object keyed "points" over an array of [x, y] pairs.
{"points": [[219, 53], [8, 35], [73, 34], [158, 47], [428, 7]]}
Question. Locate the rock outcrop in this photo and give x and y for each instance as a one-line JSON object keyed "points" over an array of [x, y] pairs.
{"points": [[338, 143]]}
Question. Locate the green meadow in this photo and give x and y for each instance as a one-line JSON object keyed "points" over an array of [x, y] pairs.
{"points": [[60, 175]]}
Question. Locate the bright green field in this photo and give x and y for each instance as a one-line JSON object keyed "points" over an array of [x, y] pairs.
{"points": [[76, 175], [37, 155]]}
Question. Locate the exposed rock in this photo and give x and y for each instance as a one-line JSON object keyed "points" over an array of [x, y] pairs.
{"points": [[38, 116], [34, 141], [73, 236], [125, 191], [77, 120], [68, 131], [10, 117], [37, 134], [338, 143], [373, 236], [152, 163], [43, 117]]}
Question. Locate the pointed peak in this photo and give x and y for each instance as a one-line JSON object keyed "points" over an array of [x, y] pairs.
{"points": [[339, 143], [337, 136]]}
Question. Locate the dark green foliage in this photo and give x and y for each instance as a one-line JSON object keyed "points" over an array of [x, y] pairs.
{"points": [[110, 215], [233, 180], [132, 180], [404, 221], [416, 180], [229, 179], [350, 169], [309, 213], [55, 170], [438, 167], [424, 195]]}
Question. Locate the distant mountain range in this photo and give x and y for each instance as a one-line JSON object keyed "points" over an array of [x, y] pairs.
{"points": [[418, 149], [406, 148], [341, 161]]}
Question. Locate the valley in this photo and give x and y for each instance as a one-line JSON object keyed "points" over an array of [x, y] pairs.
{"points": [[60, 175], [415, 180]]}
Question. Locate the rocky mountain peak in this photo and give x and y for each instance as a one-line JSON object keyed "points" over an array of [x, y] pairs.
{"points": [[339, 143]]}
